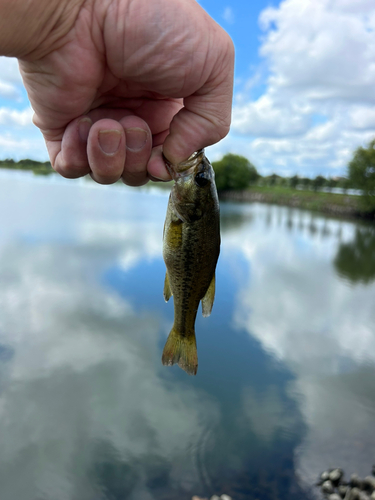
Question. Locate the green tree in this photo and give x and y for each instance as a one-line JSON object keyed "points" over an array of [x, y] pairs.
{"points": [[319, 182], [344, 183], [294, 181], [306, 182], [332, 183], [234, 172], [361, 173], [273, 179]]}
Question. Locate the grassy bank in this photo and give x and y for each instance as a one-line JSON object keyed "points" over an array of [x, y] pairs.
{"points": [[330, 203], [37, 167]]}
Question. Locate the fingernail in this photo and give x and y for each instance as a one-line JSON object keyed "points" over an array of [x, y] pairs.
{"points": [[136, 138], [109, 141], [84, 126]]}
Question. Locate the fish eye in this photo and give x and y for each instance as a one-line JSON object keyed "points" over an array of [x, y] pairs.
{"points": [[201, 180]]}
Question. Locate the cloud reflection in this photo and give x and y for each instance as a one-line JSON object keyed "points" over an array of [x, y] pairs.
{"points": [[85, 409], [314, 323], [268, 413]]}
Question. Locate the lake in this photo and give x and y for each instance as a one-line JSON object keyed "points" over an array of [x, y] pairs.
{"points": [[286, 379]]}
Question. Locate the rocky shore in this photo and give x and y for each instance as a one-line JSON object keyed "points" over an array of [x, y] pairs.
{"points": [[334, 486]]}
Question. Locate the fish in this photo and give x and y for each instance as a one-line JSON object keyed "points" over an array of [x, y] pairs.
{"points": [[191, 247]]}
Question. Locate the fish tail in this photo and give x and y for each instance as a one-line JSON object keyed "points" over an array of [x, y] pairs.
{"points": [[181, 349]]}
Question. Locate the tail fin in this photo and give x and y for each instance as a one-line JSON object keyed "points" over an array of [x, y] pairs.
{"points": [[181, 350]]}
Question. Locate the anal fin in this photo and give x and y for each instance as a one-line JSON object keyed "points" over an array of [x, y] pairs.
{"points": [[208, 299], [167, 288]]}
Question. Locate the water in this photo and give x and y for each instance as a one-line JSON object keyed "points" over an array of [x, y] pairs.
{"points": [[285, 386]]}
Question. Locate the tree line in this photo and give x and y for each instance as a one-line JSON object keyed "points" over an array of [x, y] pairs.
{"points": [[237, 172], [41, 168]]}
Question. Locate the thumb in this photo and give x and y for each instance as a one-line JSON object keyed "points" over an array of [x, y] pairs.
{"points": [[205, 118]]}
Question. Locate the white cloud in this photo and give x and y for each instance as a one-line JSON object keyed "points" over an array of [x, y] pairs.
{"points": [[263, 117], [363, 117], [327, 52], [10, 79], [12, 117], [9, 71], [8, 91], [18, 145], [321, 61], [19, 138], [228, 15]]}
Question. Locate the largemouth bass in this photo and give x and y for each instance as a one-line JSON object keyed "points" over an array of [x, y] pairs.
{"points": [[191, 246]]}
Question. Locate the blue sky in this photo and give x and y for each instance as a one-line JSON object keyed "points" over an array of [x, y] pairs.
{"points": [[304, 95], [240, 19]]}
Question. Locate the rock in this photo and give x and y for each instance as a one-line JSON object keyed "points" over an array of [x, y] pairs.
{"points": [[327, 487], [355, 481], [225, 497], [363, 495], [352, 494], [324, 476], [342, 489], [372, 495], [347, 493], [335, 475], [334, 496], [369, 483]]}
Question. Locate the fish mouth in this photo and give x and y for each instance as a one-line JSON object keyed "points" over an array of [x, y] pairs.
{"points": [[185, 167]]}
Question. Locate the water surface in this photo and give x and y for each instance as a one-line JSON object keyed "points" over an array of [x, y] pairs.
{"points": [[286, 380]]}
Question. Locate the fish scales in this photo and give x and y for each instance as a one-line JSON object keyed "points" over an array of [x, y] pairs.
{"points": [[191, 246]]}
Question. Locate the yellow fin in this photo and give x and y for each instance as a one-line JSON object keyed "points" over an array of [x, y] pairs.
{"points": [[208, 299], [181, 350], [167, 288]]}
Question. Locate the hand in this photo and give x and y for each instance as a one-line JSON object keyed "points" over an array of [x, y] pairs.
{"points": [[119, 81]]}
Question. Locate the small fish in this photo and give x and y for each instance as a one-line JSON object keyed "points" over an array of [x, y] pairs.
{"points": [[191, 246]]}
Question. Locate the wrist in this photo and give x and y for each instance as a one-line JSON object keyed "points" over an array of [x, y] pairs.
{"points": [[31, 28]]}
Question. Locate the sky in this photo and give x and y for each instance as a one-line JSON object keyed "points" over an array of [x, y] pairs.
{"points": [[304, 95]]}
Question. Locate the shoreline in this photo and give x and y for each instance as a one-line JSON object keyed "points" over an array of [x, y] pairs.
{"points": [[341, 205]]}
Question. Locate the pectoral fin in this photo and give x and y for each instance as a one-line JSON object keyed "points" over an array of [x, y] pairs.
{"points": [[208, 299], [167, 289]]}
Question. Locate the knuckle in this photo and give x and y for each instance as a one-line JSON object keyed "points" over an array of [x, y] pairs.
{"points": [[70, 171], [135, 179], [103, 180]]}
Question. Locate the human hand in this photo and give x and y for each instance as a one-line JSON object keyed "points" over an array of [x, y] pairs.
{"points": [[116, 82]]}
